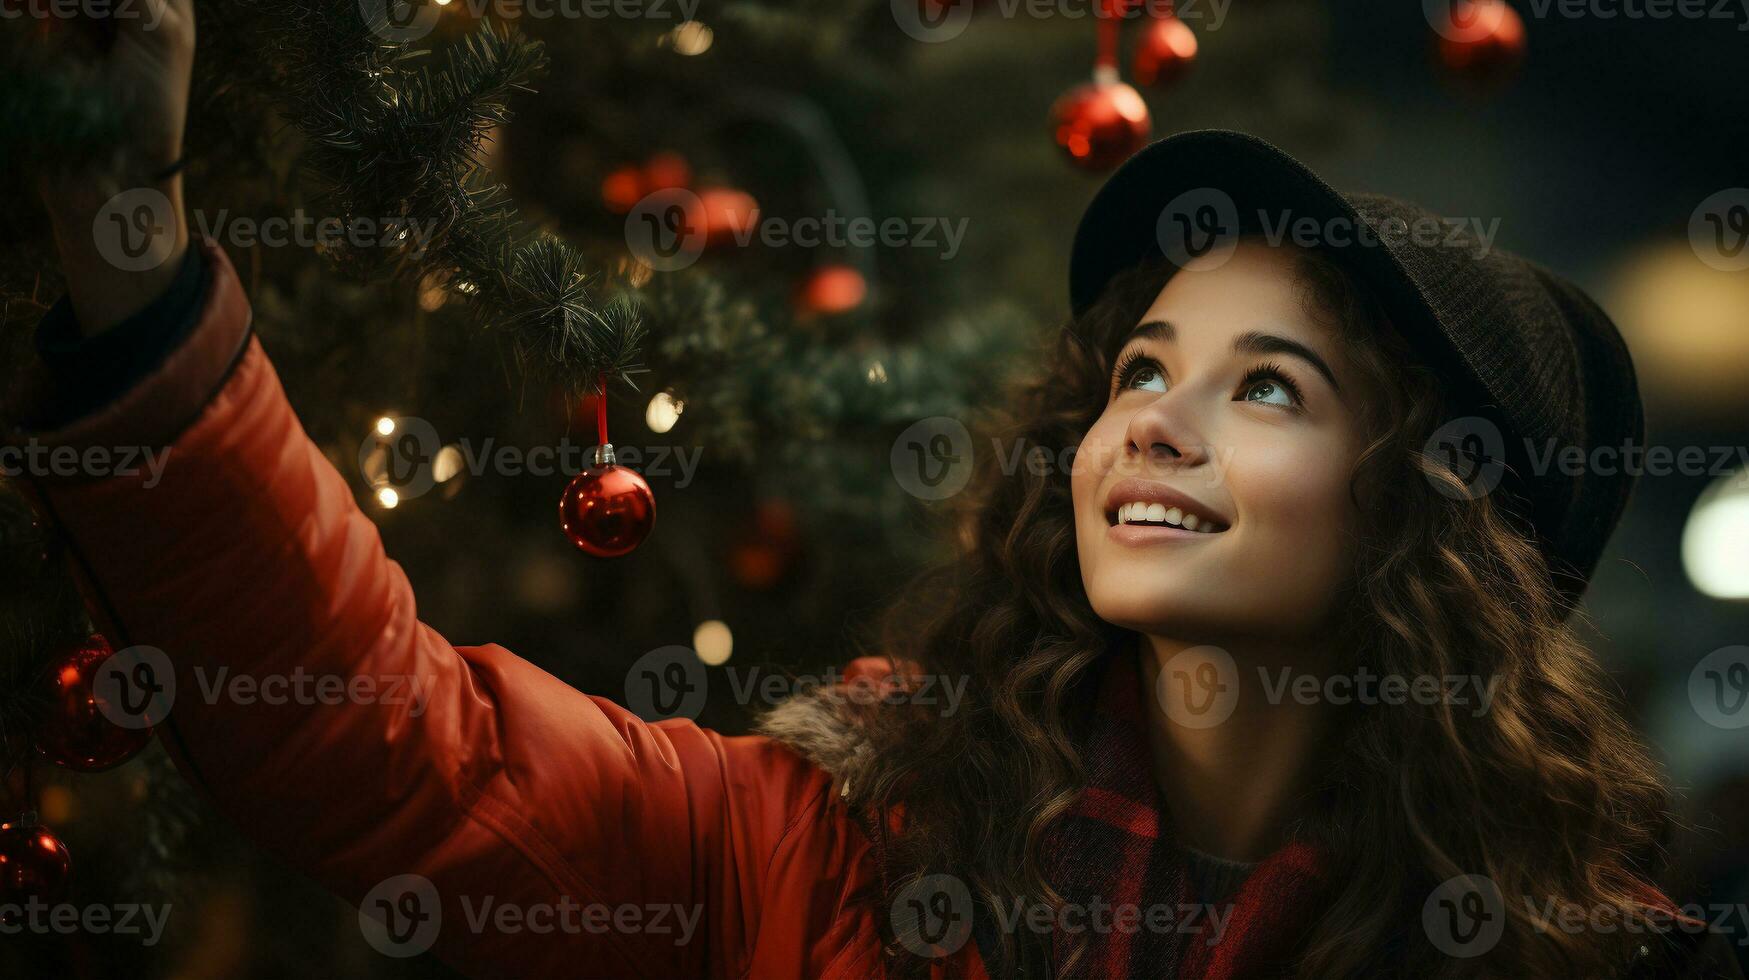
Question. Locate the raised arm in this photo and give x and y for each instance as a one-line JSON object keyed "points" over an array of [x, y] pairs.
{"points": [[337, 729]]}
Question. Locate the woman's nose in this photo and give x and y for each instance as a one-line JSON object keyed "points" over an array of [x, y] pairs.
{"points": [[1167, 431]]}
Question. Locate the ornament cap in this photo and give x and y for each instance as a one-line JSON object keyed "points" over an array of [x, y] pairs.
{"points": [[604, 454]]}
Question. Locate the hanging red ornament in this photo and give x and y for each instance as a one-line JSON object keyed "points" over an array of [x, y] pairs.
{"points": [[622, 189], [78, 730], [831, 288], [765, 552], [666, 169], [1100, 123], [1481, 44], [607, 510], [34, 864], [1165, 52], [728, 215]]}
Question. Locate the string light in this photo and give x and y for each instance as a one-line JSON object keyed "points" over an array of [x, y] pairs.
{"points": [[446, 464], [713, 642], [388, 498], [385, 426], [1715, 541], [663, 411], [691, 38]]}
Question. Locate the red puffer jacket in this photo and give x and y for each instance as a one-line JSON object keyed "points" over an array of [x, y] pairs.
{"points": [[561, 835], [509, 822]]}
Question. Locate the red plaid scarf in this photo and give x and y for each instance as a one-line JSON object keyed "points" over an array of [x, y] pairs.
{"points": [[1115, 850]]}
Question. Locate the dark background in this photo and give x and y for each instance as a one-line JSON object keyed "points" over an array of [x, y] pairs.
{"points": [[1593, 159]]}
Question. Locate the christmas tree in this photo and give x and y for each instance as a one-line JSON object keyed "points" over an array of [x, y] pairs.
{"points": [[876, 229]]}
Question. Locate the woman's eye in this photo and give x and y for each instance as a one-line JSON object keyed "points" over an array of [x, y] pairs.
{"points": [[1146, 379], [1268, 392]]}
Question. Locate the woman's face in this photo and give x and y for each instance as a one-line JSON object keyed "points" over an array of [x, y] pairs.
{"points": [[1232, 414]]}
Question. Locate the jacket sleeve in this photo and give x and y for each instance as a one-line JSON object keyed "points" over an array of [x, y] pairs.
{"points": [[559, 835]]}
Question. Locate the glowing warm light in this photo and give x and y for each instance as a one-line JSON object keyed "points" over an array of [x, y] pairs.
{"points": [[691, 38], [1687, 325], [388, 498], [432, 297], [55, 805], [713, 641], [446, 464], [1715, 541], [877, 373], [663, 411], [385, 426]]}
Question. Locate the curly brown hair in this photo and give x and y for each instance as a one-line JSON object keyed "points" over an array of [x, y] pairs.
{"points": [[1549, 793]]}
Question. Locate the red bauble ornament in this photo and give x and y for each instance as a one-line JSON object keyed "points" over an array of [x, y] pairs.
{"points": [[1100, 123], [607, 510], [666, 169], [1482, 44], [74, 732], [1165, 52], [34, 864], [831, 288], [767, 550], [728, 216], [622, 190]]}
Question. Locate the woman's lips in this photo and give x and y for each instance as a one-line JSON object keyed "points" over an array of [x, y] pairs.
{"points": [[1145, 534], [1133, 501]]}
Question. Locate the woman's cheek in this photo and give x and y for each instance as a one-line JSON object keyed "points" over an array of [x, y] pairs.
{"points": [[1293, 501]]}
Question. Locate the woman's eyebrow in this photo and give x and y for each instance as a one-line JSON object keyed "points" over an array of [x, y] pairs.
{"points": [[1255, 342], [1159, 330]]}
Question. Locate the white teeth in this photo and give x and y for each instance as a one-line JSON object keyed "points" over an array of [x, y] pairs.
{"points": [[1139, 511]]}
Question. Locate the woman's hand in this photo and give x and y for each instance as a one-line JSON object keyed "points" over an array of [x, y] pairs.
{"points": [[122, 235]]}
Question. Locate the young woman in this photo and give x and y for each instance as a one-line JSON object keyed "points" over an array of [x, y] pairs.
{"points": [[1265, 682]]}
